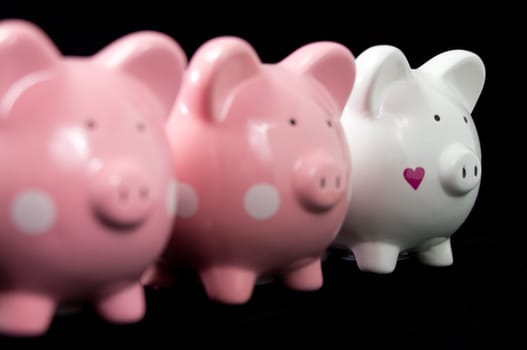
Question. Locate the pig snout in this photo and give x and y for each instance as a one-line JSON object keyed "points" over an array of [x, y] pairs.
{"points": [[319, 181], [460, 169], [122, 195]]}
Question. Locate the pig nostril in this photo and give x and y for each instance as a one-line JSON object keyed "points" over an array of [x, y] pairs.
{"points": [[141, 127], [123, 195], [337, 182], [323, 182], [90, 124], [464, 172], [475, 170], [143, 193]]}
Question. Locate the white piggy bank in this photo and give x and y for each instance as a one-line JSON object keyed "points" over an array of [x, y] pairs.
{"points": [[415, 156]]}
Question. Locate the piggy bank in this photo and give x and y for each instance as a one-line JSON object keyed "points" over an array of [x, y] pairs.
{"points": [[262, 164], [87, 196], [415, 156]]}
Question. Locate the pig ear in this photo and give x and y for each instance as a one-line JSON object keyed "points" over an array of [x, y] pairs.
{"points": [[462, 71], [330, 63], [155, 59], [378, 68], [215, 71], [24, 49]]}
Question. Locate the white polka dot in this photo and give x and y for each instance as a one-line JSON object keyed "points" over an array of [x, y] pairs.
{"points": [[262, 201], [172, 198], [33, 212], [187, 201]]}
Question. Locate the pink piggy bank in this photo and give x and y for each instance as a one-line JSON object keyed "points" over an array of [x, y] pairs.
{"points": [[87, 199], [415, 153], [262, 165]]}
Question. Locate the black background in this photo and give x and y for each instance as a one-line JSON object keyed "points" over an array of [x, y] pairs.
{"points": [[480, 296]]}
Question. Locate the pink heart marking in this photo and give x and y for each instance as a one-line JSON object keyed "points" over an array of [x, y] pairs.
{"points": [[414, 177]]}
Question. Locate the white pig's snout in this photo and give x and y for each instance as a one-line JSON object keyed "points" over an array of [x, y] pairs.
{"points": [[459, 170]]}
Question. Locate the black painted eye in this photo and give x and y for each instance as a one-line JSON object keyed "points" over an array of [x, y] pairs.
{"points": [[91, 124], [292, 121], [465, 119], [141, 127], [437, 118], [330, 124]]}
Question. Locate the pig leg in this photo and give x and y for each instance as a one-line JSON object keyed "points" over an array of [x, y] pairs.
{"points": [[305, 278], [437, 255], [229, 285], [376, 257], [125, 305], [25, 314]]}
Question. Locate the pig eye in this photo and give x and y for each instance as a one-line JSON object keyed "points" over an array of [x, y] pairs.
{"points": [[292, 121], [141, 127], [90, 124], [437, 118], [465, 119], [330, 124]]}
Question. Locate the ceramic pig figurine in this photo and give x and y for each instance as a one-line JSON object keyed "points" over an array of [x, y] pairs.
{"points": [[415, 156], [262, 165], [87, 196]]}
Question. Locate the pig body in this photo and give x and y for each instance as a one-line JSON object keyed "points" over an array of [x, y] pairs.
{"points": [[87, 199], [262, 165], [415, 156]]}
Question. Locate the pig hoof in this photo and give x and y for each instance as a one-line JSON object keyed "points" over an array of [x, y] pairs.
{"points": [[376, 257], [437, 255], [228, 285], [127, 305], [306, 278], [23, 314]]}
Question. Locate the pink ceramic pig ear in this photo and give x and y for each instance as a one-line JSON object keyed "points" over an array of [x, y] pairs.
{"points": [[378, 69], [217, 68], [463, 73], [330, 63], [153, 58], [24, 49]]}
